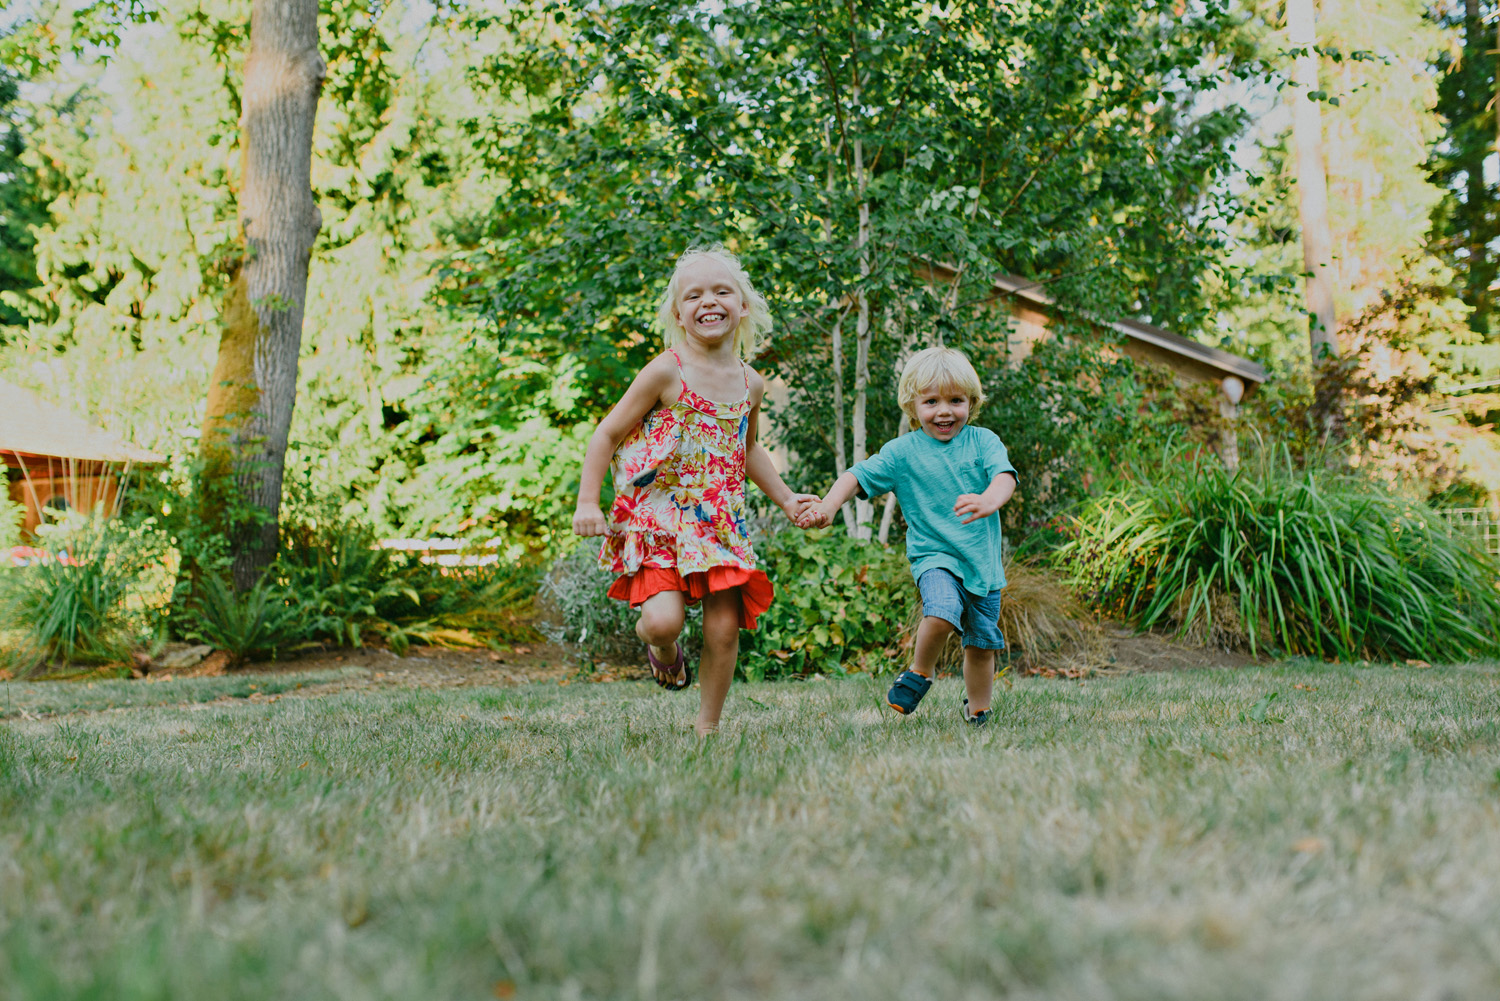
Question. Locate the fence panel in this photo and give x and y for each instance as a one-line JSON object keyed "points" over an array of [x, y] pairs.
{"points": [[1479, 521]]}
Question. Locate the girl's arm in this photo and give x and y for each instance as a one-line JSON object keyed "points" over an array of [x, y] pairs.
{"points": [[822, 513], [650, 387], [759, 466]]}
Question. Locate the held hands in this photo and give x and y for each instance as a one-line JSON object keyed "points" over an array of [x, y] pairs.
{"points": [[976, 506], [588, 520], [814, 515], [795, 507]]}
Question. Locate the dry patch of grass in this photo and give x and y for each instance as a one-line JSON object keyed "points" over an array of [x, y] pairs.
{"points": [[1151, 836]]}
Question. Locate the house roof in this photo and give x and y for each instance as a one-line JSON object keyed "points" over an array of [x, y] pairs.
{"points": [[1215, 359], [30, 427]]}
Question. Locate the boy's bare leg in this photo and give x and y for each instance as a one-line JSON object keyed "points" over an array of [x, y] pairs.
{"points": [[979, 677], [721, 646], [932, 633], [660, 624]]}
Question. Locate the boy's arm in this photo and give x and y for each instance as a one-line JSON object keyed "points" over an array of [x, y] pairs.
{"points": [[653, 381], [995, 496], [822, 513]]}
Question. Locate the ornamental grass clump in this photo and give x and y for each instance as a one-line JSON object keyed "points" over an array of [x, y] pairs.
{"points": [[1274, 557], [92, 590]]}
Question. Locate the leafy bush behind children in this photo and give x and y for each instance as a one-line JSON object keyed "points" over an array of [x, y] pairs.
{"points": [[1270, 556], [840, 605]]}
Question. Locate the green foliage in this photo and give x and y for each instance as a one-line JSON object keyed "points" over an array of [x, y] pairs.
{"points": [[11, 515], [1466, 222], [135, 253], [263, 621], [841, 604], [346, 587], [1056, 140], [100, 590], [22, 206], [578, 614], [493, 450], [1271, 557], [1065, 410]]}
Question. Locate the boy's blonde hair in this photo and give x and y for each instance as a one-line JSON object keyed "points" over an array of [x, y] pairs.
{"points": [[753, 328], [937, 368]]}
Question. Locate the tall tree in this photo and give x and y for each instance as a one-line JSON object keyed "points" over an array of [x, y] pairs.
{"points": [[837, 147], [1467, 223], [254, 384], [21, 208], [1312, 180]]}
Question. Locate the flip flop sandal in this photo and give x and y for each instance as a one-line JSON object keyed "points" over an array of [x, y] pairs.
{"points": [[674, 679]]}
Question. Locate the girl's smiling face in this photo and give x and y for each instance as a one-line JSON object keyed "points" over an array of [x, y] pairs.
{"points": [[942, 411], [709, 304]]}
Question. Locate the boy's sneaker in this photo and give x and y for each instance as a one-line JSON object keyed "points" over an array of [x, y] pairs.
{"points": [[976, 720], [907, 692]]}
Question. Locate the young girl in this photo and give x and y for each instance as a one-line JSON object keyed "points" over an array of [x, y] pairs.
{"points": [[683, 439]]}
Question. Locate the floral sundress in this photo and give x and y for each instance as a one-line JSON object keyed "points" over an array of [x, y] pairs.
{"points": [[678, 519]]}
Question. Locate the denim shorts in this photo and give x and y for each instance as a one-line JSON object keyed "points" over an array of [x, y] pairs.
{"points": [[976, 619]]}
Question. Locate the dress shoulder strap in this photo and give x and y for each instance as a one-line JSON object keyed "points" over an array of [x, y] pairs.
{"points": [[681, 375], [745, 371]]}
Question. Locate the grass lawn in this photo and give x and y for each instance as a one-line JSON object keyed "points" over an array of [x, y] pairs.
{"points": [[1146, 837]]}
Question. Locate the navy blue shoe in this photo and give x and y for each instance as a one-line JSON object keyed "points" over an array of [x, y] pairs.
{"points": [[976, 720], [907, 692]]}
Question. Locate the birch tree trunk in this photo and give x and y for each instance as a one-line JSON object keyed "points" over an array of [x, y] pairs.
{"points": [[840, 465], [1312, 183], [864, 510], [254, 385]]}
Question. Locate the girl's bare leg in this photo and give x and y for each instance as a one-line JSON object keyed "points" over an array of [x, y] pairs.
{"points": [[932, 633], [979, 677], [721, 647], [660, 624]]}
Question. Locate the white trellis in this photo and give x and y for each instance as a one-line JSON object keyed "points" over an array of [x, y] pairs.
{"points": [[1480, 521]]}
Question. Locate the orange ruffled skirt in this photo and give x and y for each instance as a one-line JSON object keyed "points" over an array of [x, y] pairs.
{"points": [[755, 587]]}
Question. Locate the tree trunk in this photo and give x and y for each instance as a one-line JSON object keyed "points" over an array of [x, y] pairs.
{"points": [[864, 510], [1312, 183], [254, 385], [840, 464]]}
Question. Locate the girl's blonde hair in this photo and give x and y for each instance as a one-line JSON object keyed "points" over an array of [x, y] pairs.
{"points": [[937, 368], [753, 328]]}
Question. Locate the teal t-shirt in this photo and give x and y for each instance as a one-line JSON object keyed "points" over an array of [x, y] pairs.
{"points": [[928, 476]]}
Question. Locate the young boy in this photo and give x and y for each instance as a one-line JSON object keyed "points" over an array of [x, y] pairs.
{"points": [[950, 479]]}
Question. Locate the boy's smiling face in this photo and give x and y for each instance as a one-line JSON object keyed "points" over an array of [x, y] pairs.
{"points": [[942, 411]]}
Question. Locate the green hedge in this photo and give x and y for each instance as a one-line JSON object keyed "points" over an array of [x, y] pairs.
{"points": [[841, 604], [1304, 562]]}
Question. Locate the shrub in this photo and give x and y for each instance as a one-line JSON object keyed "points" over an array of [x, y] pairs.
{"points": [[1306, 561], [95, 590], [841, 604], [11, 516], [263, 621], [579, 615], [346, 586]]}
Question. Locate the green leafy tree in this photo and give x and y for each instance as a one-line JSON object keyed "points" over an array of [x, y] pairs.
{"points": [[839, 148], [20, 209], [137, 157], [1467, 222]]}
